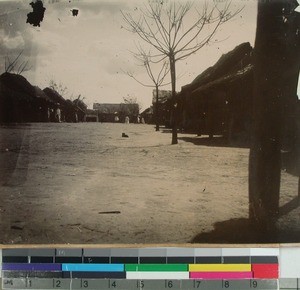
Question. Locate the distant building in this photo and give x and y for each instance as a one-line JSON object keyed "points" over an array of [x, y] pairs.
{"points": [[91, 116], [116, 112], [148, 115], [164, 102]]}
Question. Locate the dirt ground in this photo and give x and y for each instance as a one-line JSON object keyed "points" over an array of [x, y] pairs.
{"points": [[84, 183]]}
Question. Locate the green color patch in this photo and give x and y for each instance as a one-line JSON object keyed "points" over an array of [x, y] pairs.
{"points": [[156, 267]]}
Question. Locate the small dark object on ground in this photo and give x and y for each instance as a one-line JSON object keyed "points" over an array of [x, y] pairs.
{"points": [[109, 212], [124, 135], [16, 228], [75, 12]]}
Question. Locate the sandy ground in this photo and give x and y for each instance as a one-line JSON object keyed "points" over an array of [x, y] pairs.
{"points": [[84, 183]]}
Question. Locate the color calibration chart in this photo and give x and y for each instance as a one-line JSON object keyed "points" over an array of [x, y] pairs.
{"points": [[151, 268]]}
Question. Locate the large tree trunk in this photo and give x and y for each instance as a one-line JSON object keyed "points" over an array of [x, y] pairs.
{"points": [[156, 110], [273, 50], [174, 105]]}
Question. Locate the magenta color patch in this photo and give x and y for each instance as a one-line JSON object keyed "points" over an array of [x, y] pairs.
{"points": [[221, 275]]}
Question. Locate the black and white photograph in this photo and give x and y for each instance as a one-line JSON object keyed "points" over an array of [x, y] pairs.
{"points": [[149, 121]]}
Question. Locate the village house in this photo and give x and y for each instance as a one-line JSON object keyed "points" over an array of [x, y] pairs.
{"points": [[64, 110], [164, 99], [163, 107], [91, 116], [22, 102], [148, 116], [117, 112], [45, 104], [57, 111], [219, 100]]}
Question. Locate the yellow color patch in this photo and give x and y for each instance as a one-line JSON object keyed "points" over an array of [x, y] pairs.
{"points": [[219, 267]]}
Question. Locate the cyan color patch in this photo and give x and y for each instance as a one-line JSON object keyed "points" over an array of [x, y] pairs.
{"points": [[93, 267]]}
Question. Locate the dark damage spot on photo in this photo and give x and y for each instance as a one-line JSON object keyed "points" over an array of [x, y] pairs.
{"points": [[37, 15], [75, 12]]}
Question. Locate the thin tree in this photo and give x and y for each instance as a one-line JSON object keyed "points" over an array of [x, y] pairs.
{"points": [[166, 27], [130, 106], [58, 87], [156, 79], [276, 72], [131, 100]]}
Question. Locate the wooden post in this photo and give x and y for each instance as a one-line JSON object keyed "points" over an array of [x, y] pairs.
{"points": [[274, 72]]}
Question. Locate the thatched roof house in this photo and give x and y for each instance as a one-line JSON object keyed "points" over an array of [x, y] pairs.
{"points": [[70, 110], [54, 96], [18, 84], [219, 100], [22, 102], [19, 100], [228, 64], [39, 93], [148, 115]]}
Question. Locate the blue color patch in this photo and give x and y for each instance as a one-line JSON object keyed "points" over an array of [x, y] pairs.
{"points": [[93, 267], [31, 267]]}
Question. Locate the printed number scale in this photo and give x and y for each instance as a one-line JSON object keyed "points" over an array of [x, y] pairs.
{"points": [[143, 268]]}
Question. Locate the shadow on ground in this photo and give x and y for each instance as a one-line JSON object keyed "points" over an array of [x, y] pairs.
{"points": [[241, 231], [218, 141], [165, 130], [204, 140]]}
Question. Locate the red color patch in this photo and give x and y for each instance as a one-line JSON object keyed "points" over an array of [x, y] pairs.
{"points": [[265, 271]]}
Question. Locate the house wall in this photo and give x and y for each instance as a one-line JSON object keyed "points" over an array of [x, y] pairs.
{"points": [[225, 109]]}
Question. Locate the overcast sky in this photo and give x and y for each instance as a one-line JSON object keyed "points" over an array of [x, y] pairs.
{"points": [[89, 54]]}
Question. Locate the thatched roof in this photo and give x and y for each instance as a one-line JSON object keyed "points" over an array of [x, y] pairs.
{"points": [[148, 111], [226, 79], [229, 67], [80, 105], [39, 93], [16, 85], [18, 88], [54, 96]]}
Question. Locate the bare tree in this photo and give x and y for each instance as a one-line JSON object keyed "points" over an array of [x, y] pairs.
{"points": [[162, 26], [132, 106], [130, 100], [16, 65], [58, 87], [156, 79]]}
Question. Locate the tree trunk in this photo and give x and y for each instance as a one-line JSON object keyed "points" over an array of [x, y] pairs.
{"points": [[156, 110], [174, 105], [271, 78], [298, 189]]}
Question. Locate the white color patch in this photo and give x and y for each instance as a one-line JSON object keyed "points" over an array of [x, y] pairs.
{"points": [[264, 252], [157, 275], [289, 262]]}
